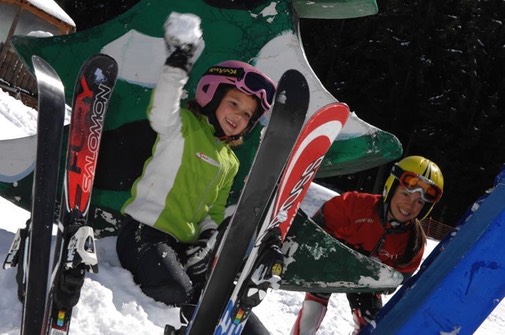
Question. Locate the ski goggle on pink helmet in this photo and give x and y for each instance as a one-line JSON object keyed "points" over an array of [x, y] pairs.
{"points": [[243, 76]]}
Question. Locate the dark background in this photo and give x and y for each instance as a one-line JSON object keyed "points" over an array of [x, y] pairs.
{"points": [[430, 72]]}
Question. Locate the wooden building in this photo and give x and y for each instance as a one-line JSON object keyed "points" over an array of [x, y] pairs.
{"points": [[27, 17]]}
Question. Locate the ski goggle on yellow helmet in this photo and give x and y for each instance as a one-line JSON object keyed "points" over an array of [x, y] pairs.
{"points": [[416, 183], [416, 174]]}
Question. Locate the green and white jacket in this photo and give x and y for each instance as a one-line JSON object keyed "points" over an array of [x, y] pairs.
{"points": [[185, 184]]}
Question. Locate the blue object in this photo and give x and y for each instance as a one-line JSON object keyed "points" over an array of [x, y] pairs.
{"points": [[461, 283]]}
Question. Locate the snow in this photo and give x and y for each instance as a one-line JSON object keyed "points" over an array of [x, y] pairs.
{"points": [[19, 119], [111, 303], [52, 8], [39, 33], [184, 28]]}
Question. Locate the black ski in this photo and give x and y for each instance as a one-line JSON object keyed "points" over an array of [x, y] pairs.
{"points": [[31, 246], [288, 115], [74, 251]]}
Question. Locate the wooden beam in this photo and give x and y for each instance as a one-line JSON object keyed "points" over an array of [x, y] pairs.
{"points": [[14, 24], [64, 27]]}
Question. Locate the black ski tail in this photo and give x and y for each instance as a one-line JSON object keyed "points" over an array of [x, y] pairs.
{"points": [[36, 244]]}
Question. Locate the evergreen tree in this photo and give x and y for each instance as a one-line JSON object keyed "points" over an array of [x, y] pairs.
{"points": [[89, 13], [430, 73]]}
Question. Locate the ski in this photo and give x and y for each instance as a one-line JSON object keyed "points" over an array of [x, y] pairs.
{"points": [[264, 265], [288, 114], [31, 247], [74, 251]]}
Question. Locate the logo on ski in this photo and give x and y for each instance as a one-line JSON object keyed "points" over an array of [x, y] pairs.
{"points": [[97, 118], [233, 326], [293, 199], [86, 143]]}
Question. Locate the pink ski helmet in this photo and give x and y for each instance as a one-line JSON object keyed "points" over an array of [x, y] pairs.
{"points": [[243, 76]]}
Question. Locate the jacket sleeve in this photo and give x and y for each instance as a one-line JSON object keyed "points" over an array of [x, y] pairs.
{"points": [[336, 216], [163, 109]]}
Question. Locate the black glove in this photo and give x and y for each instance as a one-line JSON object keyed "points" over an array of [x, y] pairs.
{"points": [[199, 253], [184, 41]]}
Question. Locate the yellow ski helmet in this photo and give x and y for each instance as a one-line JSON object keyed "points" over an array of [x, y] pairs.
{"points": [[416, 173]]}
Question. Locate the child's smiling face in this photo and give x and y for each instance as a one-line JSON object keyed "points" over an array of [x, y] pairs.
{"points": [[234, 111]]}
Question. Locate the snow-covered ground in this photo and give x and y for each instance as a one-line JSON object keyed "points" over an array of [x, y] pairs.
{"points": [[111, 303]]}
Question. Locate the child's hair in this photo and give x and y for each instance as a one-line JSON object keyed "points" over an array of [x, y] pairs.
{"points": [[417, 241]]}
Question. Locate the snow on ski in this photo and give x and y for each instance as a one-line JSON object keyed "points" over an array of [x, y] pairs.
{"points": [[75, 246], [286, 120], [35, 241], [263, 268]]}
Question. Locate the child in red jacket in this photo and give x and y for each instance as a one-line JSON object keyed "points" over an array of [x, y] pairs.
{"points": [[386, 227]]}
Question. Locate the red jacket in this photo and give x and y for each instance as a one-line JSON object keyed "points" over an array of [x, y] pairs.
{"points": [[355, 219]]}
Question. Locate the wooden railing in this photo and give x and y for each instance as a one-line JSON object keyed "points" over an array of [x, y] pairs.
{"points": [[16, 79]]}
